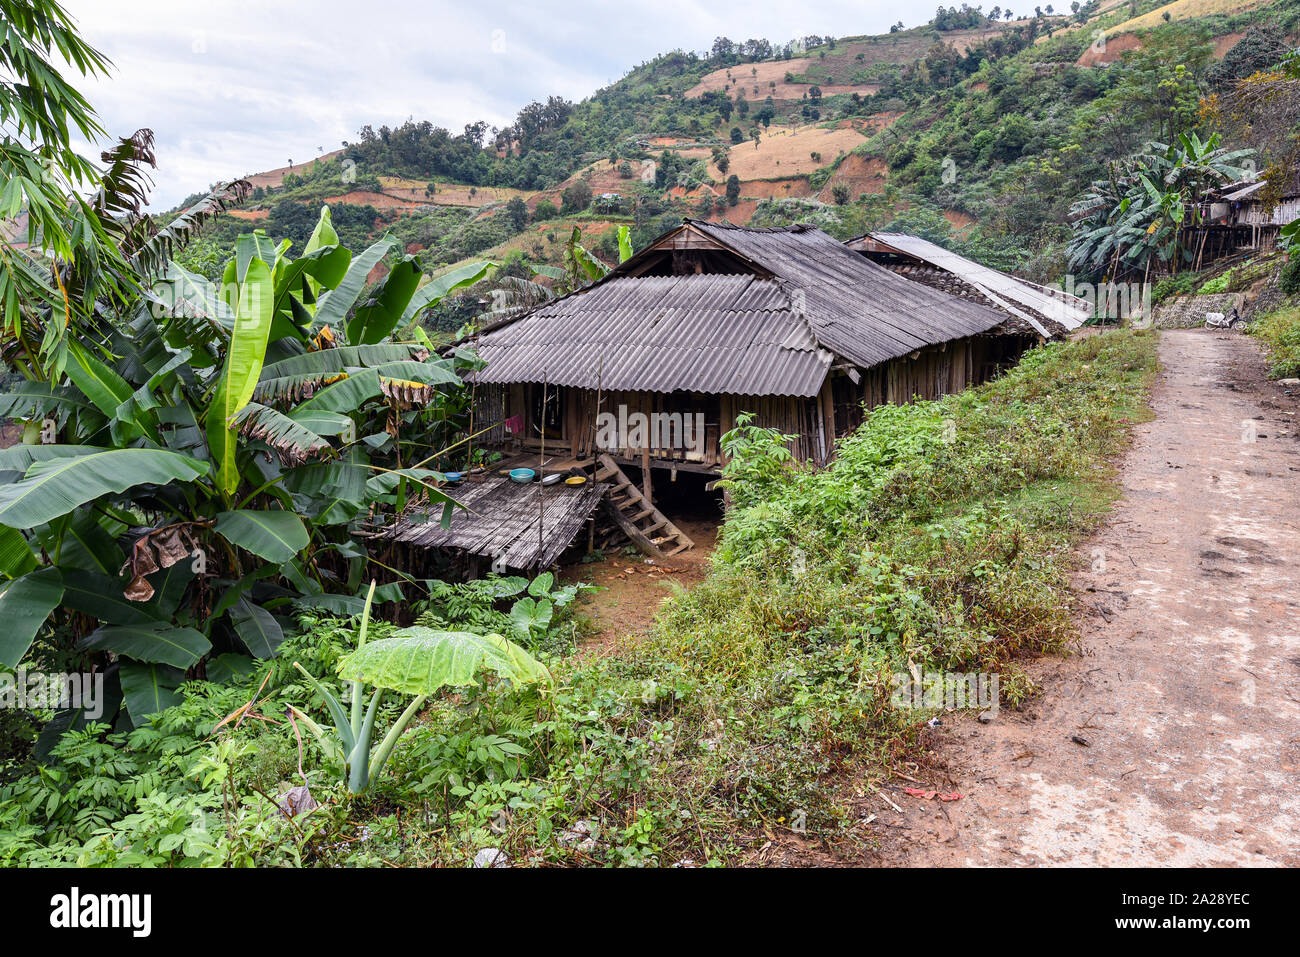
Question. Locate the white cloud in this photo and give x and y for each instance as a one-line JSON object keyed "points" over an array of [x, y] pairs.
{"points": [[231, 87]]}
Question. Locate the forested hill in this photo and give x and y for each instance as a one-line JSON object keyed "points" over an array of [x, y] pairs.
{"points": [[975, 129]]}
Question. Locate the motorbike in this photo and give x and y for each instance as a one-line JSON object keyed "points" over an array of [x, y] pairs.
{"points": [[1217, 320]]}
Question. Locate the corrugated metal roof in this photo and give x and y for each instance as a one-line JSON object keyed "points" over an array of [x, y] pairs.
{"points": [[855, 308], [1018, 297], [715, 334], [737, 334], [1248, 190]]}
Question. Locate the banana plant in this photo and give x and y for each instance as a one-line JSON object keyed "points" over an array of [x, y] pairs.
{"points": [[416, 661], [199, 470], [1146, 202], [582, 267]]}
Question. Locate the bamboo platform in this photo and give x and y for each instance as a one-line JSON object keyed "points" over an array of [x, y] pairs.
{"points": [[501, 518]]}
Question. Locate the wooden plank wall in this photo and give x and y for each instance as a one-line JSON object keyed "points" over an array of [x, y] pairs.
{"points": [[933, 373]]}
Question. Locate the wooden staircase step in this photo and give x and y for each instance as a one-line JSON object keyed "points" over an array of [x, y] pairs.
{"points": [[621, 502]]}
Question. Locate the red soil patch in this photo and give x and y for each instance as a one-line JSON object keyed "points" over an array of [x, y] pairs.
{"points": [[1112, 48], [860, 174], [775, 188], [253, 214], [1225, 43], [880, 121], [602, 178], [1116, 46], [960, 221], [737, 215], [632, 587]]}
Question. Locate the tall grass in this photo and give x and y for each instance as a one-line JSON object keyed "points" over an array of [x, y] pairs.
{"points": [[1280, 332]]}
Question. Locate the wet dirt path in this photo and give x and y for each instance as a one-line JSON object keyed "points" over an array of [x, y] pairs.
{"points": [[1187, 692]]}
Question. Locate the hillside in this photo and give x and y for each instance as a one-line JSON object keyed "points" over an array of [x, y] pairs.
{"points": [[970, 132]]}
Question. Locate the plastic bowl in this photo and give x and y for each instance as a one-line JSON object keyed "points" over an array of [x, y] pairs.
{"points": [[522, 476], [453, 477]]}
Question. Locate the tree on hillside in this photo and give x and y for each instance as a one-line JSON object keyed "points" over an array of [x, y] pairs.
{"points": [[733, 189], [1263, 47], [517, 213], [576, 197]]}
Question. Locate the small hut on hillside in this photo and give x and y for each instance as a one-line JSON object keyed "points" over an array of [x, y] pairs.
{"points": [[1028, 307], [653, 363], [1245, 217]]}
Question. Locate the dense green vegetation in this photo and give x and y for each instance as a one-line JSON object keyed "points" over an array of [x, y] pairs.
{"points": [[204, 465], [940, 538], [1280, 332]]}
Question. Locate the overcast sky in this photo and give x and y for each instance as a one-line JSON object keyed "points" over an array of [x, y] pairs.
{"points": [[231, 87]]}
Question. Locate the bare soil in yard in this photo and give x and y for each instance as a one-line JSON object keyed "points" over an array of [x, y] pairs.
{"points": [[1173, 737], [632, 586]]}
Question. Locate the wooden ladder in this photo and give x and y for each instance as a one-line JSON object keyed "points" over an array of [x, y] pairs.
{"points": [[647, 527]]}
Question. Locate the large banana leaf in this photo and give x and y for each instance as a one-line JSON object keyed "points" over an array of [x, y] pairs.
{"points": [[274, 536], [31, 399], [250, 248], [440, 372], [294, 441], [333, 306], [420, 660], [344, 396], [56, 486], [332, 492], [343, 359], [323, 235], [19, 458], [436, 289], [297, 377], [16, 555], [257, 628], [243, 367], [379, 315], [296, 284], [149, 688], [155, 643], [81, 540], [25, 604], [100, 596], [101, 385]]}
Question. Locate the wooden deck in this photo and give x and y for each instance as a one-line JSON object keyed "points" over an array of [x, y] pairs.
{"points": [[501, 518]]}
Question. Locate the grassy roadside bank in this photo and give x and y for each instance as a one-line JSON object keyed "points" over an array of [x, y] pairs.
{"points": [[1280, 333], [941, 538]]}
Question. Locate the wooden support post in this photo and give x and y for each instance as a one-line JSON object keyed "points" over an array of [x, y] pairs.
{"points": [[647, 488]]}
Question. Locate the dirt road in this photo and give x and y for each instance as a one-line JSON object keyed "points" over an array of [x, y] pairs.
{"points": [[1187, 693]]}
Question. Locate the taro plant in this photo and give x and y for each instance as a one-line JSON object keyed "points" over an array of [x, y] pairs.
{"points": [[537, 608], [416, 661]]}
